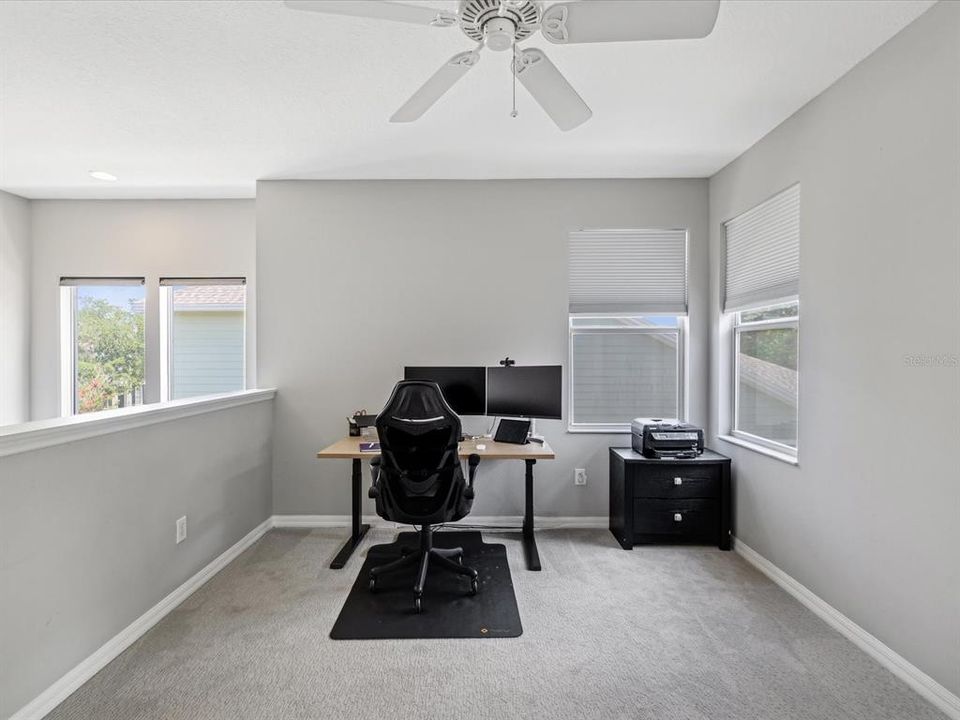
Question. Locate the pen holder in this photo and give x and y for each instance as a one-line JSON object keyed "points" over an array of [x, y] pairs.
{"points": [[361, 424]]}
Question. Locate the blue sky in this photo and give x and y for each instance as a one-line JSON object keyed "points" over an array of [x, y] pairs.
{"points": [[119, 295]]}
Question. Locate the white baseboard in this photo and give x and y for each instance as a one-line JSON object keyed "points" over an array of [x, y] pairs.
{"points": [[492, 522], [913, 676], [319, 521], [62, 688]]}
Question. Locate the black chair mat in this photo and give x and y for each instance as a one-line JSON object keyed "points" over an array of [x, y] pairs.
{"points": [[448, 609]]}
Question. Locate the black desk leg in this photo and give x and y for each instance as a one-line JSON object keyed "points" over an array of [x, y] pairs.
{"points": [[358, 530], [529, 542]]}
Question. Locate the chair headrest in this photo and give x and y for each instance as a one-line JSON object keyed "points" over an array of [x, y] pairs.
{"points": [[416, 401]]}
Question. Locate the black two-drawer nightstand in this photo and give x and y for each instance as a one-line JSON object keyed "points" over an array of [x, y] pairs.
{"points": [[668, 500]]}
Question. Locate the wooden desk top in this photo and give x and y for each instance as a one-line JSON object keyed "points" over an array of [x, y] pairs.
{"points": [[349, 447]]}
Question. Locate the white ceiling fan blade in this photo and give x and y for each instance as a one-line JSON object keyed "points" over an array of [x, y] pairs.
{"points": [[551, 90], [438, 84], [377, 9], [618, 21]]}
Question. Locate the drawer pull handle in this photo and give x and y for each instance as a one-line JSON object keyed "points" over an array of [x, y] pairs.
{"points": [[677, 517], [678, 481]]}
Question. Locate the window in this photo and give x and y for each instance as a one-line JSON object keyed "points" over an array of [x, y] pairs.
{"points": [[765, 375], [628, 302], [102, 334], [204, 332], [761, 289], [624, 367]]}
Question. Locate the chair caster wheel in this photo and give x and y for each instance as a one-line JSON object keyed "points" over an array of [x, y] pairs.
{"points": [[373, 584], [474, 586], [417, 605], [460, 559]]}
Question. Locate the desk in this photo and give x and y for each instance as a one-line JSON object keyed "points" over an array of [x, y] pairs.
{"points": [[349, 448]]}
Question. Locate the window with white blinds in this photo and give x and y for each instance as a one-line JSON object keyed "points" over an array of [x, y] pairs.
{"points": [[762, 253], [628, 271], [624, 372]]}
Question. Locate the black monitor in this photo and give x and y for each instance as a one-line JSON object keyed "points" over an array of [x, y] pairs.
{"points": [[464, 388], [532, 391]]}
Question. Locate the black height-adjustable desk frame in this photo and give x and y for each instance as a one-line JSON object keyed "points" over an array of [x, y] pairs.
{"points": [[358, 527], [349, 448], [529, 541]]}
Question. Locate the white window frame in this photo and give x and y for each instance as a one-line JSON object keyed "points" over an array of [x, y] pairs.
{"points": [[68, 341], [167, 286], [681, 332], [771, 324], [166, 342], [68, 351]]}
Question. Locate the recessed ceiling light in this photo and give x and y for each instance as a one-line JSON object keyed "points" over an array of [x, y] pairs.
{"points": [[101, 175]]}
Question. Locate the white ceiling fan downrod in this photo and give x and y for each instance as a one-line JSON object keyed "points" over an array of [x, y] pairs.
{"points": [[513, 71]]}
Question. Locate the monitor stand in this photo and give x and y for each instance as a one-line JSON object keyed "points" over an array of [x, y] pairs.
{"points": [[533, 436]]}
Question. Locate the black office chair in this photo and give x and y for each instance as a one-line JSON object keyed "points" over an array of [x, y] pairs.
{"points": [[418, 480]]}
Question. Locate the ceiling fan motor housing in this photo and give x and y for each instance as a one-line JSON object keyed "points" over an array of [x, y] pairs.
{"points": [[498, 33], [499, 26]]}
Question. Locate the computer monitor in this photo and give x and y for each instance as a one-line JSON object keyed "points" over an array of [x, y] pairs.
{"points": [[532, 391], [464, 388]]}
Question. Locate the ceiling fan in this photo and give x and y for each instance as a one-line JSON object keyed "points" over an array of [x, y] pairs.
{"points": [[499, 25]]}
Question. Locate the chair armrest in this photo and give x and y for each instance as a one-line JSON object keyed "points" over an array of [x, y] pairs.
{"points": [[374, 491], [473, 461]]}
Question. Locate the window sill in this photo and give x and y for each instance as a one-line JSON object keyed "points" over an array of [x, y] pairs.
{"points": [[769, 452], [610, 430], [46, 433]]}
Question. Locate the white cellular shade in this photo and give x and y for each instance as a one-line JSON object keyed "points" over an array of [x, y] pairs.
{"points": [[635, 271], [763, 253], [183, 282], [99, 281]]}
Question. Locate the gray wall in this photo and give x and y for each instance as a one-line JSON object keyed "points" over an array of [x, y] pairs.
{"points": [[14, 309], [870, 520], [357, 279], [87, 532], [139, 238]]}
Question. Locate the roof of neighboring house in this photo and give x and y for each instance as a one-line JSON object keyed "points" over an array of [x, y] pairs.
{"points": [[769, 378], [204, 297]]}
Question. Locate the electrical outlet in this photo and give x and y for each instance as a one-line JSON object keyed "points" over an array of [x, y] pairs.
{"points": [[580, 476], [181, 529]]}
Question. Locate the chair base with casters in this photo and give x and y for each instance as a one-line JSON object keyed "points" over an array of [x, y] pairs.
{"points": [[446, 558]]}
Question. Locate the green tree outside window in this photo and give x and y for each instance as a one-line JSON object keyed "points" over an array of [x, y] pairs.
{"points": [[110, 364]]}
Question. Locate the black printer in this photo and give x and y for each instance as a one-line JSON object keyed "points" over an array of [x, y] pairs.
{"points": [[659, 438]]}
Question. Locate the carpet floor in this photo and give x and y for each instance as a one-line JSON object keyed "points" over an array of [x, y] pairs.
{"points": [[665, 633]]}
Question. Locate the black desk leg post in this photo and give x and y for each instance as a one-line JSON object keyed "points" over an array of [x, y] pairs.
{"points": [[358, 529], [529, 541]]}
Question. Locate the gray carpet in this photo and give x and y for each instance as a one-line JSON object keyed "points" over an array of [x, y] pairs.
{"points": [[666, 633]]}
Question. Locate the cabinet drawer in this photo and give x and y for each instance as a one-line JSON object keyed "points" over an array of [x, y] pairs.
{"points": [[677, 482], [693, 517]]}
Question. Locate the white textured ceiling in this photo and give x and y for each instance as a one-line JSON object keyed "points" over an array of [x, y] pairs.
{"points": [[200, 99]]}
